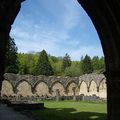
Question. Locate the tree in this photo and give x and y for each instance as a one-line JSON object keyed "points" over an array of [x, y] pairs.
{"points": [[74, 70], [102, 64], [86, 65], [66, 62], [43, 65], [95, 63], [27, 63], [11, 57]]}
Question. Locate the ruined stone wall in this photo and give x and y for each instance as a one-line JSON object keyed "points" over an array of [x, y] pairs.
{"points": [[28, 85]]}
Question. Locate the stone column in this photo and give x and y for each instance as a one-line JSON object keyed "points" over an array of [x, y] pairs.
{"points": [[74, 94], [98, 91], [8, 12], [113, 95], [105, 17], [57, 95], [4, 35]]}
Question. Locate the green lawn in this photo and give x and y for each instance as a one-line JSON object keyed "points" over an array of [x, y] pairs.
{"points": [[68, 110]]}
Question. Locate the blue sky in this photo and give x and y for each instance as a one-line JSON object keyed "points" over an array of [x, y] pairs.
{"points": [[58, 26]]}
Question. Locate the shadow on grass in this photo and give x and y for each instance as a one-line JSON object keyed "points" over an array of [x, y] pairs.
{"points": [[68, 114]]}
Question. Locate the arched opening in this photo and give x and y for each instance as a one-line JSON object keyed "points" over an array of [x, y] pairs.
{"points": [[103, 89], [42, 89], [24, 89], [83, 88], [70, 87], [58, 86], [93, 88], [7, 88]]}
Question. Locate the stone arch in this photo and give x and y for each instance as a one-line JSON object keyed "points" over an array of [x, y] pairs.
{"points": [[93, 88], [103, 89], [7, 88], [83, 88], [105, 17], [23, 88], [70, 86], [58, 86], [41, 88]]}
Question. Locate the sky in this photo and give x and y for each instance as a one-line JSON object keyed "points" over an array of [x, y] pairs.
{"points": [[58, 26]]}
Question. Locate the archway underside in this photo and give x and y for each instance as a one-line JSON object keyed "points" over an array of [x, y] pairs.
{"points": [[105, 17]]}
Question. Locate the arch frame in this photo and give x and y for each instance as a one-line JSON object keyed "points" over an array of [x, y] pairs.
{"points": [[105, 17], [19, 82], [37, 83]]}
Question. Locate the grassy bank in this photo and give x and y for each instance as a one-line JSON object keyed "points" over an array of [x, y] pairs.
{"points": [[69, 110]]}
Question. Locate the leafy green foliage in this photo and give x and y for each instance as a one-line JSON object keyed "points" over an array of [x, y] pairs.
{"points": [[43, 66], [95, 63], [28, 65], [73, 70], [87, 65], [66, 62], [56, 65], [98, 64], [11, 57], [102, 64]]}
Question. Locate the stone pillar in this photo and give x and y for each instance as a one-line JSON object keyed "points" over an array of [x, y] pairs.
{"points": [[105, 17], [4, 35], [8, 12], [57, 95], [113, 95], [88, 90], [74, 94], [98, 91]]}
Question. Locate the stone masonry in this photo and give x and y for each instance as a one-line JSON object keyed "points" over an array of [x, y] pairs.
{"points": [[29, 85]]}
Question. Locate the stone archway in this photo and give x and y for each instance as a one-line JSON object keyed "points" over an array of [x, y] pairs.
{"points": [[42, 89], [70, 88], [7, 88], [103, 89], [105, 17], [58, 86], [93, 88], [24, 89], [83, 88]]}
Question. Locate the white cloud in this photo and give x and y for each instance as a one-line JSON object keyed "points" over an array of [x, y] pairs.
{"points": [[83, 50], [72, 15], [54, 37]]}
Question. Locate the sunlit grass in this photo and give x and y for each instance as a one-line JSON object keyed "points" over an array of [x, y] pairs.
{"points": [[69, 110]]}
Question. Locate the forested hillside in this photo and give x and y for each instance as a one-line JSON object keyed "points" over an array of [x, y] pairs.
{"points": [[41, 63], [61, 66]]}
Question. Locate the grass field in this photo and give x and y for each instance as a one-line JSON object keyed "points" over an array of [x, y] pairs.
{"points": [[68, 110]]}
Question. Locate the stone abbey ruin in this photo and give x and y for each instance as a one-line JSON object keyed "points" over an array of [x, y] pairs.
{"points": [[29, 85]]}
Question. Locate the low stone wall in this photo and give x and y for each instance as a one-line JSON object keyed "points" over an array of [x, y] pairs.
{"points": [[50, 86]]}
